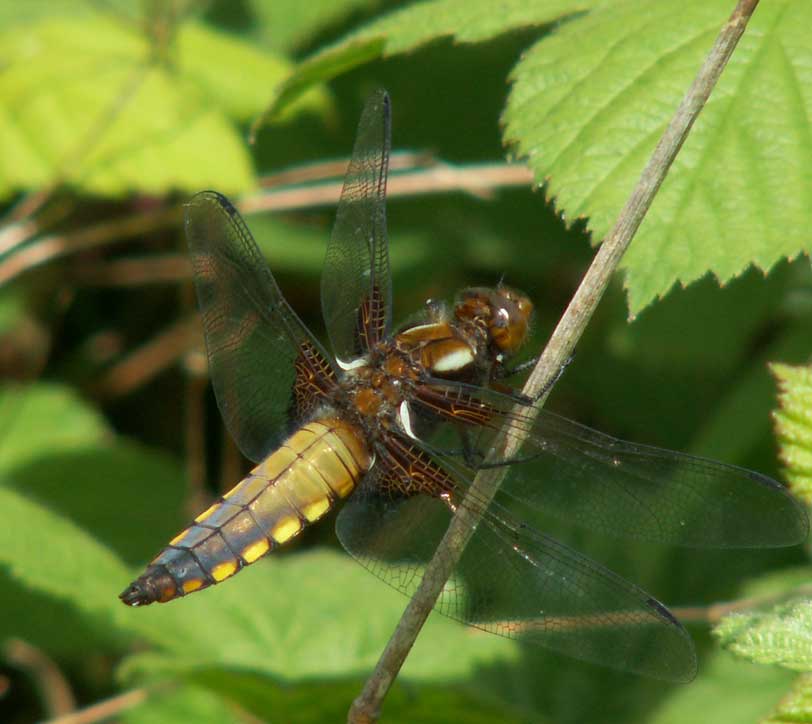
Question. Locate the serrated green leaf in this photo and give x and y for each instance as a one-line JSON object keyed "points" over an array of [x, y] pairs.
{"points": [[42, 419], [793, 425], [309, 615], [727, 691], [590, 102], [796, 706], [465, 21], [781, 636], [83, 100]]}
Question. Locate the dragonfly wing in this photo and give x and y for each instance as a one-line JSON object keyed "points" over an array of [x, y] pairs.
{"points": [[516, 582], [258, 348], [356, 286], [620, 488]]}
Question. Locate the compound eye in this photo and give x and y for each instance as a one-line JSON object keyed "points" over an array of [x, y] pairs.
{"points": [[502, 317]]}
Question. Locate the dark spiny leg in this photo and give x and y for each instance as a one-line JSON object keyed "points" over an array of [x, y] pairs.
{"points": [[552, 381], [473, 457], [502, 371]]}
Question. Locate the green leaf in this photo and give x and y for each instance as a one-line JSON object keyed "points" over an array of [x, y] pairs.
{"points": [[239, 80], [404, 30], [727, 691], [307, 615], [48, 554], [71, 484], [182, 704], [84, 100], [13, 12], [590, 102], [300, 248], [796, 706], [128, 496], [45, 418], [284, 25], [781, 636], [329, 701], [793, 424]]}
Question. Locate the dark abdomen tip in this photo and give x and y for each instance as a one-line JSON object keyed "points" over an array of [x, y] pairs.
{"points": [[154, 585]]}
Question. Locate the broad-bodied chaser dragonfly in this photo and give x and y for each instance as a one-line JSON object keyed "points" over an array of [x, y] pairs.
{"points": [[397, 424]]}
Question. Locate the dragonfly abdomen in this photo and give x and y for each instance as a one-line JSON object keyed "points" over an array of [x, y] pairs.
{"points": [[296, 485]]}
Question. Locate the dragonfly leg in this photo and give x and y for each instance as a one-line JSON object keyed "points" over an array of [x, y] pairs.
{"points": [[554, 379]]}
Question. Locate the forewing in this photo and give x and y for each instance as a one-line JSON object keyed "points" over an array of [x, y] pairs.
{"points": [[356, 287], [621, 488], [515, 582], [261, 356]]}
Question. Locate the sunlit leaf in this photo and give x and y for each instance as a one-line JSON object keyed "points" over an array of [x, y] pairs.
{"points": [[41, 419], [793, 424], [92, 102], [465, 21], [46, 553], [590, 101], [128, 496], [781, 635], [796, 706]]}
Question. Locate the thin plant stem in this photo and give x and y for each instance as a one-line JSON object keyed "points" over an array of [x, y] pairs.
{"points": [[480, 180], [366, 707]]}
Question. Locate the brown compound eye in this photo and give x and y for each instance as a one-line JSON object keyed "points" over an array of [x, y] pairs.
{"points": [[510, 319]]}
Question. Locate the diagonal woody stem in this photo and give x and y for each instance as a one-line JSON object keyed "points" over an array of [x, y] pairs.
{"points": [[366, 707]]}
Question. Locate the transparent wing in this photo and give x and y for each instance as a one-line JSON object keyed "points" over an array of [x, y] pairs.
{"points": [[356, 287], [621, 488], [516, 582], [255, 342]]}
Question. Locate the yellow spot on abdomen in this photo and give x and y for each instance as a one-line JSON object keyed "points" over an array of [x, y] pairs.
{"points": [[192, 585], [255, 550], [285, 529], [206, 513], [223, 570], [313, 511], [179, 537]]}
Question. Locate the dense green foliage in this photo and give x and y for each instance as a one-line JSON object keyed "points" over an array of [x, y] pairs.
{"points": [[112, 114]]}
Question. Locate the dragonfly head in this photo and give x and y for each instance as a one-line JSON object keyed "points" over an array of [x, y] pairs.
{"points": [[503, 312]]}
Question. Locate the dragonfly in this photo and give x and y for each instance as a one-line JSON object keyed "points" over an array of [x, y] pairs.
{"points": [[394, 424]]}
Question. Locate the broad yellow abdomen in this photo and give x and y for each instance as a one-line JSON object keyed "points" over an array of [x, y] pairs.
{"points": [[296, 485]]}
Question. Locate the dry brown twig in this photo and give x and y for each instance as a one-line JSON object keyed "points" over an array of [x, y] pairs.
{"points": [[366, 707], [480, 180]]}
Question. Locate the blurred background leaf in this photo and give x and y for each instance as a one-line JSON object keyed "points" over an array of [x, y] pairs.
{"points": [[100, 104]]}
